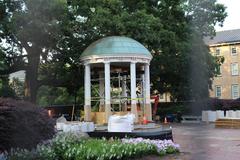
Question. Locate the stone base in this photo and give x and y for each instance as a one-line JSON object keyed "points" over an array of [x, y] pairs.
{"points": [[148, 111], [87, 112], [135, 112]]}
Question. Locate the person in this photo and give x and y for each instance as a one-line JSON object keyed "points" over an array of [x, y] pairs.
{"points": [[179, 117]]}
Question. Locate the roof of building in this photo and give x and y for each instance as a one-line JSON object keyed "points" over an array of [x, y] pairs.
{"points": [[116, 46], [228, 36]]}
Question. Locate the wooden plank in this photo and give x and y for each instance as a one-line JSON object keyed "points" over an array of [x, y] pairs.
{"points": [[227, 123]]}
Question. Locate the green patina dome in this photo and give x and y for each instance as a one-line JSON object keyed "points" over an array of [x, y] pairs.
{"points": [[116, 46]]}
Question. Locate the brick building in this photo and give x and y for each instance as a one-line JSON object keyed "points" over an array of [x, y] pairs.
{"points": [[226, 44]]}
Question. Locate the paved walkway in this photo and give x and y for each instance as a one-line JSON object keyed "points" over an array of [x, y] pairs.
{"points": [[205, 142]]}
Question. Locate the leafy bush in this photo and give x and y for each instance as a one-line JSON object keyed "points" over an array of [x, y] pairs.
{"points": [[174, 110], [224, 104], [63, 141], [42, 152], [75, 147], [171, 110], [23, 125]]}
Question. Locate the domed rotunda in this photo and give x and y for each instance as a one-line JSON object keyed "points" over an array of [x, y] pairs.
{"points": [[117, 70]]}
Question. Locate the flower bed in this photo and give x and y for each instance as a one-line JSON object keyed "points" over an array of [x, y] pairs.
{"points": [[163, 146], [70, 146]]}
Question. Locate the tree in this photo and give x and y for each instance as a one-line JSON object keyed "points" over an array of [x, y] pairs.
{"points": [[53, 34], [48, 95], [188, 77], [32, 32], [204, 15]]}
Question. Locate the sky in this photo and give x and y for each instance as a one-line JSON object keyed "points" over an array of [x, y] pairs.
{"points": [[232, 20]]}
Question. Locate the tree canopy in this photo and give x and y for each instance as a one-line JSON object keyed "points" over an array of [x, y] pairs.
{"points": [[46, 38]]}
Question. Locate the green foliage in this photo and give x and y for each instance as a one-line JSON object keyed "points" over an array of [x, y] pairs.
{"points": [[59, 32], [104, 150], [23, 125], [31, 30], [49, 150], [184, 67], [86, 149], [48, 95], [5, 89], [41, 153], [204, 15], [76, 146], [173, 109]]}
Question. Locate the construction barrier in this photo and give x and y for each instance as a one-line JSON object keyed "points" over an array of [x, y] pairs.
{"points": [[212, 116]]}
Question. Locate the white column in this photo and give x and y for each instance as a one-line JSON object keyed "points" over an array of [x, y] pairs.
{"points": [[133, 90], [143, 89], [133, 82], [124, 91], [148, 108], [107, 90], [87, 93], [147, 83], [101, 91], [124, 86]]}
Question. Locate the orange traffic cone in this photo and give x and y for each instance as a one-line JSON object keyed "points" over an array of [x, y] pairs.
{"points": [[165, 120], [145, 121]]}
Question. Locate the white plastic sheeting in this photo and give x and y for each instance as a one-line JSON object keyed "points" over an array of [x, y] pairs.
{"points": [[238, 114], [76, 126], [212, 116], [121, 123], [219, 114], [204, 116]]}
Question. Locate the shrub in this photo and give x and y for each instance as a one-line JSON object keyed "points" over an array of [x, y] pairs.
{"points": [[23, 125], [63, 141], [42, 152], [224, 104], [75, 147], [173, 109]]}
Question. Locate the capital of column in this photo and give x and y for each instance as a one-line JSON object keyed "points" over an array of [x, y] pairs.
{"points": [[106, 62], [146, 65]]}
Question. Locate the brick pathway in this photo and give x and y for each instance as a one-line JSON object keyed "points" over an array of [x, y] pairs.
{"points": [[205, 142]]}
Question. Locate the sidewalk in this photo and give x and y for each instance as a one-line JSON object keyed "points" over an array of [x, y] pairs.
{"points": [[205, 142]]}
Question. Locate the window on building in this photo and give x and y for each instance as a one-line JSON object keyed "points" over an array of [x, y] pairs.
{"points": [[234, 69], [233, 50], [217, 51], [218, 70], [218, 91], [235, 91]]}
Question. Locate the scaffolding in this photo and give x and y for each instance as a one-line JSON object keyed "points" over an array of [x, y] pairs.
{"points": [[120, 92]]}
